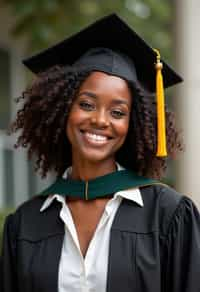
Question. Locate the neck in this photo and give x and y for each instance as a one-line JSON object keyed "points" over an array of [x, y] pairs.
{"points": [[86, 170]]}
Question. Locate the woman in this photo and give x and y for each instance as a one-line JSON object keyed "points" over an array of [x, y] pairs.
{"points": [[106, 224]]}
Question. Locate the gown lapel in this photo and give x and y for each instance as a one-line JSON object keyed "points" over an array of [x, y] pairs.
{"points": [[121, 267]]}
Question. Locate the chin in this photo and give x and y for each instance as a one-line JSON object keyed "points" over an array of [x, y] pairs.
{"points": [[95, 156]]}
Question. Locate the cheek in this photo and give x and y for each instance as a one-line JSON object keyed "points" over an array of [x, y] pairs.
{"points": [[122, 129], [69, 125], [74, 121]]}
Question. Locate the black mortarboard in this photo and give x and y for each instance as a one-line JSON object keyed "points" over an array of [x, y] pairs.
{"points": [[108, 32], [111, 46]]}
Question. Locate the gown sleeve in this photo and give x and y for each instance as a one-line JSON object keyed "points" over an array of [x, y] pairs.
{"points": [[181, 261], [8, 269]]}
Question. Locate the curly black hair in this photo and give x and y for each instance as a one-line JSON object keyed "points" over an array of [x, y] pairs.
{"points": [[43, 117]]}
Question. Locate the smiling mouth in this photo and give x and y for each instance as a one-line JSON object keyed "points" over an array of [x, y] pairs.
{"points": [[94, 138]]}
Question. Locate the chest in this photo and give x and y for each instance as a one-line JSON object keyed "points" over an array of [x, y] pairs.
{"points": [[86, 218]]}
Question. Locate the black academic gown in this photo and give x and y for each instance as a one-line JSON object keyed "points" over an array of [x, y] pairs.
{"points": [[155, 248]]}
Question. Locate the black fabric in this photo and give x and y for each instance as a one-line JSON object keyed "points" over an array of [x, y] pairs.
{"points": [[107, 61], [155, 248], [109, 32]]}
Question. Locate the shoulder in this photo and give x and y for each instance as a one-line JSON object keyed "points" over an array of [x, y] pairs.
{"points": [[28, 209], [161, 196], [14, 220], [162, 193], [30, 223], [32, 205], [159, 204], [163, 203]]}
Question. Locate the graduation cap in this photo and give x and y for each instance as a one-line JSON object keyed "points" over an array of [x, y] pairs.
{"points": [[111, 46]]}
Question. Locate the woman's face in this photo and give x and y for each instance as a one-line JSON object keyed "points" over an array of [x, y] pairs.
{"points": [[99, 118]]}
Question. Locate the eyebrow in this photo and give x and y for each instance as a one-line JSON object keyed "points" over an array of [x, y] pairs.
{"points": [[94, 96]]}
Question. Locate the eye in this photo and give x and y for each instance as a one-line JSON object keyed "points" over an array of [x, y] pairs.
{"points": [[118, 114], [86, 105]]}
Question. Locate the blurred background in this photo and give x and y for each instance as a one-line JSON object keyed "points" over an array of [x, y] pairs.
{"points": [[29, 26]]}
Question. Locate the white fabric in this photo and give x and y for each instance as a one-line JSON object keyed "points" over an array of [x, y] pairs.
{"points": [[89, 274]]}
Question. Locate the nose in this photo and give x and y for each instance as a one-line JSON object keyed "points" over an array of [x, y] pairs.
{"points": [[100, 119]]}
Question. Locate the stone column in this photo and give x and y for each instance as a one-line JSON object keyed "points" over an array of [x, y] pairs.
{"points": [[187, 47]]}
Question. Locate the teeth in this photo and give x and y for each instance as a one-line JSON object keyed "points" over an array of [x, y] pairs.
{"points": [[96, 137]]}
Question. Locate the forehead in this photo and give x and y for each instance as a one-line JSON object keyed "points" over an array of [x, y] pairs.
{"points": [[106, 84]]}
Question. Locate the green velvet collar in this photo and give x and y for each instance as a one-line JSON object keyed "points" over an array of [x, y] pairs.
{"points": [[99, 187]]}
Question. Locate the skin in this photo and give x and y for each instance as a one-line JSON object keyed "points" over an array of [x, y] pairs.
{"points": [[102, 107]]}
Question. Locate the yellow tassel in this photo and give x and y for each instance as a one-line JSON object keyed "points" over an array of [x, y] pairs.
{"points": [[161, 128]]}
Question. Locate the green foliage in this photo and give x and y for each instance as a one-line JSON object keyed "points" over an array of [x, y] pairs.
{"points": [[3, 214], [44, 22]]}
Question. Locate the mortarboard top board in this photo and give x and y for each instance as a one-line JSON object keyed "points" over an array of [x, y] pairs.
{"points": [[109, 32]]}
